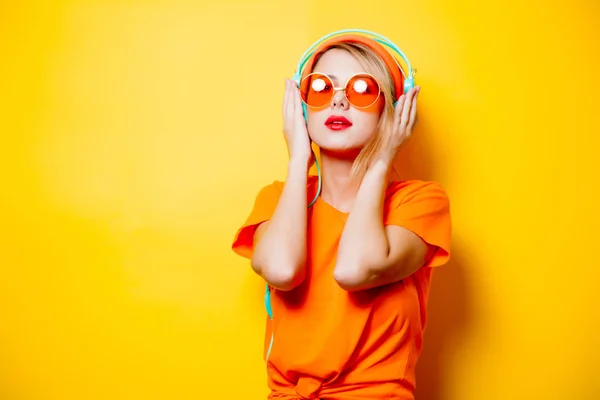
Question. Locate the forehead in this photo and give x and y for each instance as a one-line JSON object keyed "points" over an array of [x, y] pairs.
{"points": [[338, 63]]}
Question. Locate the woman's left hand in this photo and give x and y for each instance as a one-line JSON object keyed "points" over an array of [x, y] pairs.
{"points": [[405, 115]]}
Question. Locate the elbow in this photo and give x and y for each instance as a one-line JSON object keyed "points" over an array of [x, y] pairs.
{"points": [[280, 277], [352, 278], [285, 279]]}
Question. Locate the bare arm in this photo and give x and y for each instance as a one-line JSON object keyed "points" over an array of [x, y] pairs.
{"points": [[280, 243], [371, 254]]}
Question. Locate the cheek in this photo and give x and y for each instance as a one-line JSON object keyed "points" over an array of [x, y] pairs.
{"points": [[366, 120], [369, 117], [376, 108], [366, 125], [373, 114], [316, 121]]}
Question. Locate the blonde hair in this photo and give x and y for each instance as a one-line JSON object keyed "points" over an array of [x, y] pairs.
{"points": [[374, 65]]}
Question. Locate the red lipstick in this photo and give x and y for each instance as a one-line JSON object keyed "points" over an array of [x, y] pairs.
{"points": [[337, 123]]}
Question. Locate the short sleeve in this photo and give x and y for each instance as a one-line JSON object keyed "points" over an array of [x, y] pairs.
{"points": [[424, 209], [264, 206]]}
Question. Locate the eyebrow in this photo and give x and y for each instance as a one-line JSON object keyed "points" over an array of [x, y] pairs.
{"points": [[332, 77]]}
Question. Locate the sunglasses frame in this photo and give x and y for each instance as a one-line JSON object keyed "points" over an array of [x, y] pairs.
{"points": [[342, 88]]}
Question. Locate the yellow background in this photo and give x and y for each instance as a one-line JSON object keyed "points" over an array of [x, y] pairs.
{"points": [[135, 135]]}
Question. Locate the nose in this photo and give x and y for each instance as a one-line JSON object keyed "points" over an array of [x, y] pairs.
{"points": [[339, 100]]}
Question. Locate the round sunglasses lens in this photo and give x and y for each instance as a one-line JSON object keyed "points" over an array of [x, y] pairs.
{"points": [[362, 90], [316, 90]]}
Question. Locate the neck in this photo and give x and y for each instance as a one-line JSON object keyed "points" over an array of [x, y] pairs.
{"points": [[338, 190]]}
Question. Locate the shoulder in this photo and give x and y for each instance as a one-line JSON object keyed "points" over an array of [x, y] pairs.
{"points": [[275, 186], [270, 191], [422, 207], [411, 191]]}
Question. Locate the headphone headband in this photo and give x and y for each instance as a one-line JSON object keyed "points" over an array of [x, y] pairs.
{"points": [[408, 75]]}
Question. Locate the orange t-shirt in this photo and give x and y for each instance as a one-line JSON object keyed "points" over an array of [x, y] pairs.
{"points": [[333, 344]]}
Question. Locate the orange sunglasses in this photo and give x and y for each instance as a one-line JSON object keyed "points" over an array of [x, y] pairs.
{"points": [[362, 90]]}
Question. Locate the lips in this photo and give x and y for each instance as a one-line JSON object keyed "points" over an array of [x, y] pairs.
{"points": [[337, 122]]}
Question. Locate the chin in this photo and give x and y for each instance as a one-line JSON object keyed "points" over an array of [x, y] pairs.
{"points": [[347, 154], [338, 144]]}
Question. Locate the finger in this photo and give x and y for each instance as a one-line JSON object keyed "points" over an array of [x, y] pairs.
{"points": [[413, 114], [295, 99], [406, 108], [300, 103], [398, 110], [285, 98], [289, 112]]}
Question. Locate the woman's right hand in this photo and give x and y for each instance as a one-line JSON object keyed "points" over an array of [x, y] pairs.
{"points": [[294, 125]]}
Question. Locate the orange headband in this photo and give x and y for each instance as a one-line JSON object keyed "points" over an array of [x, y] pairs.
{"points": [[388, 59]]}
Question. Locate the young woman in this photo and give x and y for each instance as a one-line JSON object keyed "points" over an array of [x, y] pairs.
{"points": [[348, 273]]}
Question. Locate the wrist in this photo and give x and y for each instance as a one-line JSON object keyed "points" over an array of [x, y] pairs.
{"points": [[300, 160], [380, 165], [299, 163]]}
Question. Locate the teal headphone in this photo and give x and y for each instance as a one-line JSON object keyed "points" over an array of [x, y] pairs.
{"points": [[409, 83]]}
